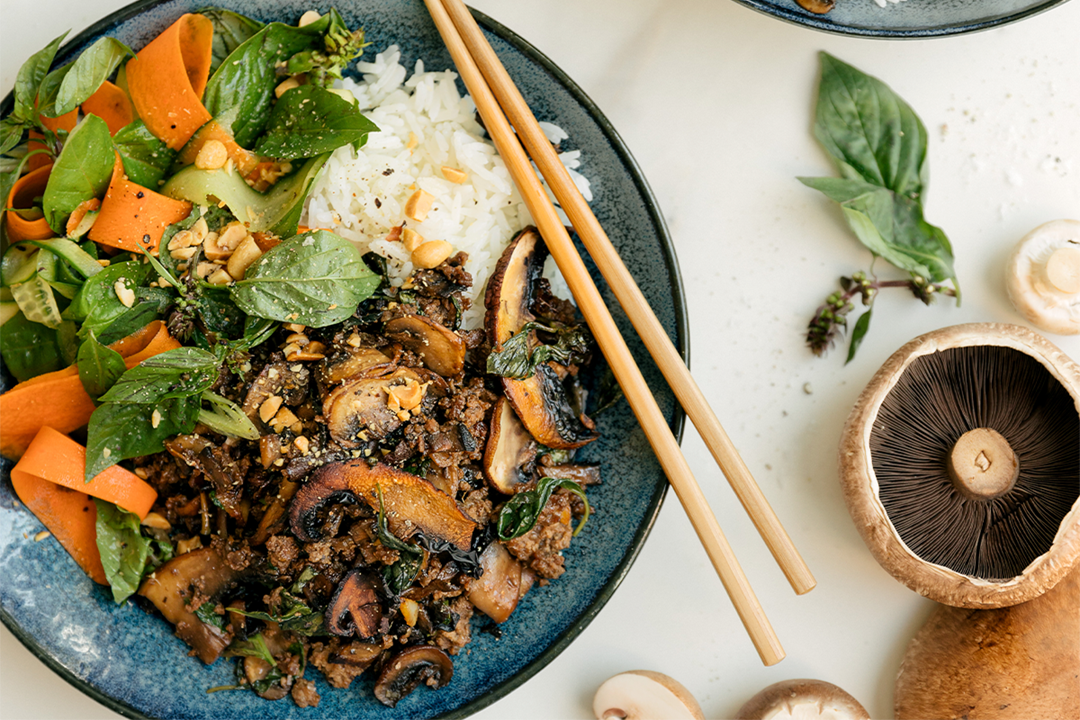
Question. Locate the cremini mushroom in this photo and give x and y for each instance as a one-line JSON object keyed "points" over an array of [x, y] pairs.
{"points": [[1043, 277], [959, 465], [442, 350], [410, 667], [802, 699], [644, 695], [497, 591], [510, 450], [539, 400], [355, 608], [357, 411], [1013, 663]]}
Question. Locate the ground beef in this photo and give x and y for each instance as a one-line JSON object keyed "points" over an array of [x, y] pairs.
{"points": [[541, 548], [304, 693], [477, 505], [452, 641], [341, 662]]}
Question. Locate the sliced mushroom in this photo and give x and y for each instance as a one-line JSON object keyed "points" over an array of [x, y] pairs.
{"points": [[357, 411], [256, 670], [349, 363], [169, 588], [581, 474], [497, 591], [355, 608], [410, 667], [411, 503], [540, 400], [1043, 277], [818, 7], [644, 695], [441, 349], [802, 700], [510, 449]]}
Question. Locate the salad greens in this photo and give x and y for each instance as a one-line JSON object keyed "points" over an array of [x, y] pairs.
{"points": [[520, 513], [879, 146], [81, 172], [518, 360], [125, 552]]}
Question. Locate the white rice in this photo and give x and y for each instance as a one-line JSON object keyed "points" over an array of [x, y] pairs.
{"points": [[361, 195]]}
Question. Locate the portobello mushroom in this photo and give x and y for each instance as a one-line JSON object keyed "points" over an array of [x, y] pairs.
{"points": [[410, 667], [355, 608], [169, 588], [497, 591], [510, 449], [539, 400], [442, 350], [357, 411], [410, 503]]}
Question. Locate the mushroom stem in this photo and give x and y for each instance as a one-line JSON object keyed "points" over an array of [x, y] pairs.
{"points": [[983, 465]]}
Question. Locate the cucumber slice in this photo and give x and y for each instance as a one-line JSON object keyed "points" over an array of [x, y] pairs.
{"points": [[70, 253], [19, 264], [8, 310], [35, 299]]}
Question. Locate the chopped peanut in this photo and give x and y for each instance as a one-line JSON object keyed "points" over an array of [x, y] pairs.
{"points": [[233, 234], [454, 175], [204, 269], [411, 239], [309, 17], [125, 294], [431, 254], [286, 419], [302, 444], [200, 230], [182, 253], [290, 349], [315, 347], [246, 253], [295, 327], [220, 276], [156, 521], [286, 85], [299, 338], [212, 155], [212, 250], [419, 205], [270, 407], [405, 397], [410, 611], [182, 239]]}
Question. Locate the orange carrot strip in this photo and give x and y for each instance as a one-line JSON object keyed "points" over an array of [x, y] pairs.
{"points": [[55, 457], [245, 160], [23, 192], [59, 400], [166, 79], [132, 216], [70, 516], [79, 213], [64, 122], [112, 105]]}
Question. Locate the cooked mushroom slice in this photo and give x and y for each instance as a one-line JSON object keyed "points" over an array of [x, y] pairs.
{"points": [[410, 503], [540, 401], [410, 667], [348, 363], [1043, 277], [257, 670], [355, 608], [960, 463], [581, 474], [818, 7], [357, 411], [497, 591], [644, 695], [169, 588], [510, 449], [442, 350], [1011, 663], [803, 700]]}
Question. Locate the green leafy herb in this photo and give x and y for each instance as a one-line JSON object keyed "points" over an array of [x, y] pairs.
{"points": [[231, 30], [517, 360], [254, 646], [520, 513], [340, 47], [181, 373], [11, 132], [225, 417], [81, 172], [206, 614], [93, 67], [124, 551], [96, 305], [309, 121], [146, 159], [49, 89], [31, 75], [119, 431], [293, 614], [401, 574], [879, 146], [29, 348], [99, 367], [316, 279]]}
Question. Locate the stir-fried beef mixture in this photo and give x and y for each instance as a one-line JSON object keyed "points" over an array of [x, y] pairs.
{"points": [[397, 489]]}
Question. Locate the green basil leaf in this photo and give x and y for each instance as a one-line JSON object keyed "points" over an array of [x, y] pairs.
{"points": [[68, 341], [29, 348], [231, 30], [81, 172], [245, 82], [50, 86], [124, 551], [254, 646], [294, 615], [226, 418], [99, 367], [206, 614], [316, 279], [31, 75], [181, 373], [520, 513], [96, 305], [869, 130], [88, 72], [120, 431], [309, 121], [146, 159], [858, 333], [518, 360], [11, 132]]}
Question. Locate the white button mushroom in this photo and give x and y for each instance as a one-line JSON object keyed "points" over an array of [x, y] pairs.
{"points": [[1043, 277], [644, 695], [802, 700]]}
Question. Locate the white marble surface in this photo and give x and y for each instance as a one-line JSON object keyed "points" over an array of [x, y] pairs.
{"points": [[715, 102]]}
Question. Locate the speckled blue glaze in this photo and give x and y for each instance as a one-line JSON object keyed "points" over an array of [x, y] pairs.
{"points": [[913, 19], [129, 659]]}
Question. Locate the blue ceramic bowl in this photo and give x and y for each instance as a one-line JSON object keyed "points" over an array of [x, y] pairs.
{"points": [[129, 660], [910, 19]]}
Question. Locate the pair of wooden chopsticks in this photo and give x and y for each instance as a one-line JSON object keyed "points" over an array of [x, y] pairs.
{"points": [[486, 80]]}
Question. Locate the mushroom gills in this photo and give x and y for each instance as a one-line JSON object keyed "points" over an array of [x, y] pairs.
{"points": [[802, 699], [644, 695], [442, 350], [410, 667]]}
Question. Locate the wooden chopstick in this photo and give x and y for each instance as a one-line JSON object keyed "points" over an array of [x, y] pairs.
{"points": [[612, 345], [633, 302]]}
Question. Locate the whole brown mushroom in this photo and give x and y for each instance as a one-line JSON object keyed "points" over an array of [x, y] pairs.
{"points": [[644, 695], [802, 699]]}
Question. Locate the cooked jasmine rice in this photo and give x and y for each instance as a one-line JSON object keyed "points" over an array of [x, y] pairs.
{"points": [[425, 125]]}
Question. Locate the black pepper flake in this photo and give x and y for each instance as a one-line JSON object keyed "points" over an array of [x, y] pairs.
{"points": [[388, 171], [140, 194], [172, 127], [378, 203], [145, 238]]}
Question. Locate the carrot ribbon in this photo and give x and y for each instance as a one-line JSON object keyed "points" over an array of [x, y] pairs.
{"points": [[134, 217], [111, 104], [65, 122], [29, 186], [167, 78]]}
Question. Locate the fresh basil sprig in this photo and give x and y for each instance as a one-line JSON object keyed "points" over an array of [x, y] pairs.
{"points": [[124, 550], [180, 373], [99, 367], [28, 82], [81, 172], [520, 513], [879, 146], [309, 121], [516, 360], [146, 159], [231, 30]]}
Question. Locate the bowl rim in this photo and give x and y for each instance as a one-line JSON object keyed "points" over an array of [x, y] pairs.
{"points": [[682, 343], [822, 24]]}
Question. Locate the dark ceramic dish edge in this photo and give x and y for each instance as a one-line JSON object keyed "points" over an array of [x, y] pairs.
{"points": [[819, 22], [682, 342]]}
